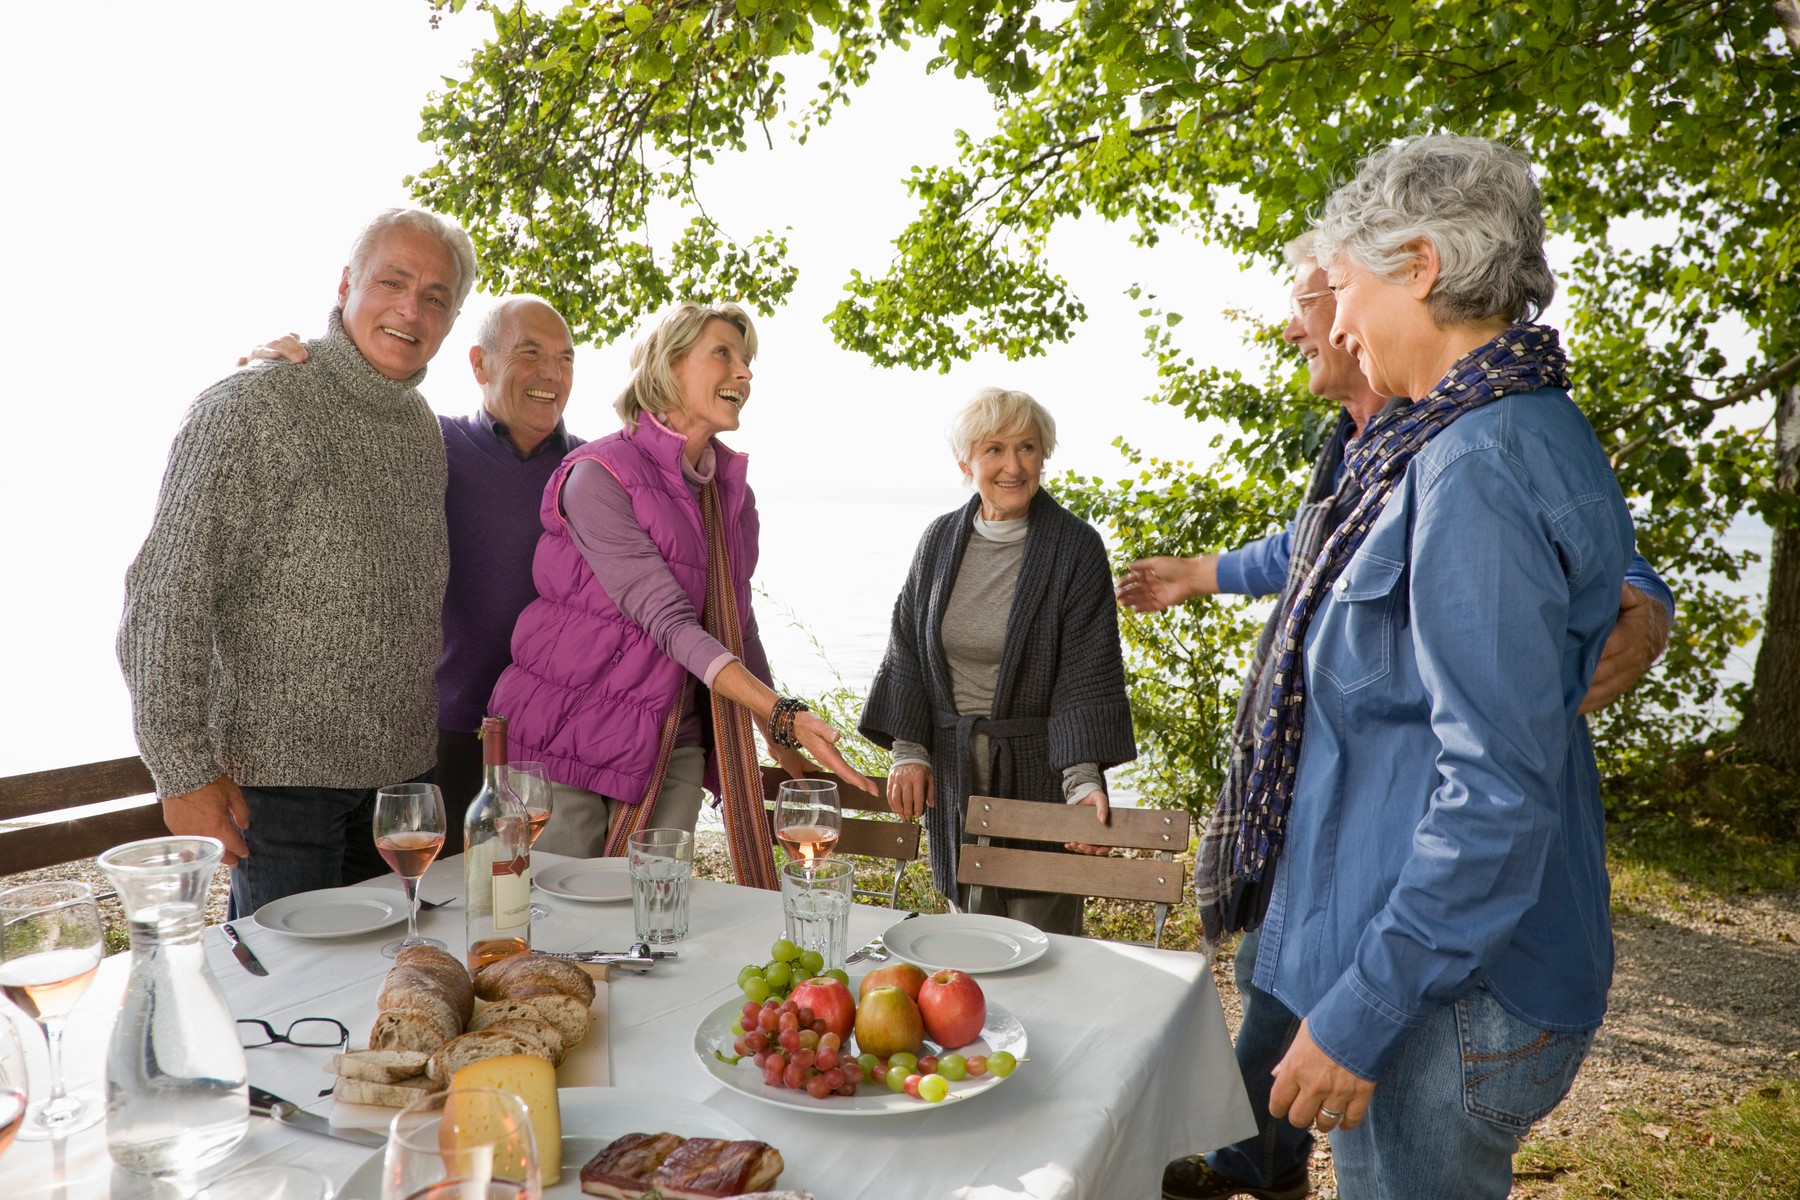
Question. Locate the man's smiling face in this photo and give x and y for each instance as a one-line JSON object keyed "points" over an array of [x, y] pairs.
{"points": [[399, 308]]}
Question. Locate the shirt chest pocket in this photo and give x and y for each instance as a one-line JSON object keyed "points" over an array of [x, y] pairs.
{"points": [[1354, 639]]}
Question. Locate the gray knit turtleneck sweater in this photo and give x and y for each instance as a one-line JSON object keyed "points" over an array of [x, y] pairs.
{"points": [[282, 621]]}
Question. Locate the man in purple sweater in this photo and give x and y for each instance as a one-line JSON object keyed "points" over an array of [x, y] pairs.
{"points": [[500, 459]]}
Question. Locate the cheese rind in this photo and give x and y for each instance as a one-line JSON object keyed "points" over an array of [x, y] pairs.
{"points": [[533, 1080]]}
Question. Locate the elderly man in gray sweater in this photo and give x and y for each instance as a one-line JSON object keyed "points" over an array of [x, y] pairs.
{"points": [[282, 621]]}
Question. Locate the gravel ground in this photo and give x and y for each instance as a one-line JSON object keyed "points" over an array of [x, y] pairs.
{"points": [[1703, 1004]]}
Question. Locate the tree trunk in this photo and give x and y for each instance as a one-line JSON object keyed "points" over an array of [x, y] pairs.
{"points": [[1771, 729]]}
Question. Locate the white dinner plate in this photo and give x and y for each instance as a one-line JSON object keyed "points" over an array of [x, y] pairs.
{"points": [[592, 1117], [597, 880], [966, 942], [1001, 1032], [333, 912]]}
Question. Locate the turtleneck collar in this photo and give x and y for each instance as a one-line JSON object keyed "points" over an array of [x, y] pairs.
{"points": [[1003, 532], [337, 354]]}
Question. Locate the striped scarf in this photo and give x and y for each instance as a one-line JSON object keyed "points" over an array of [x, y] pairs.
{"points": [[1522, 359], [734, 747]]}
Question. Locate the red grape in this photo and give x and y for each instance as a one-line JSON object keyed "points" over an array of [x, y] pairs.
{"points": [[817, 1088], [827, 1058], [795, 1076], [977, 1065]]}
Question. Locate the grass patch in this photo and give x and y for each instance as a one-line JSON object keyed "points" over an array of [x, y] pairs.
{"points": [[1744, 1151]]}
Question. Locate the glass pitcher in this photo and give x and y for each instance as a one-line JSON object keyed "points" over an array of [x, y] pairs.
{"points": [[175, 1095]]}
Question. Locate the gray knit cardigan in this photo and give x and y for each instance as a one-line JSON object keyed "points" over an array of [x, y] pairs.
{"points": [[283, 620], [1060, 697]]}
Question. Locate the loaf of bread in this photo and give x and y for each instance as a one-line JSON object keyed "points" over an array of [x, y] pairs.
{"points": [[426, 979], [521, 976], [411, 1031]]}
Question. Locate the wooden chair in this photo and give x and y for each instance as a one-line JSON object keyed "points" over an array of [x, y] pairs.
{"points": [[74, 838], [1157, 880], [894, 839]]}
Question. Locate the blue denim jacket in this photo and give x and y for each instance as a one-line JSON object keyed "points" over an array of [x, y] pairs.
{"points": [[1446, 829]]}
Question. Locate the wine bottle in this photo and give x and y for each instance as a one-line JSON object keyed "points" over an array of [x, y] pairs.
{"points": [[496, 859]]}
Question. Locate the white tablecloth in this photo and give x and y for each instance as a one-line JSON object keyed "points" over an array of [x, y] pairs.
{"points": [[1131, 1061]]}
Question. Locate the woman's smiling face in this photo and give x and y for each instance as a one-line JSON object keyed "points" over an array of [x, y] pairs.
{"points": [[714, 379], [1006, 468]]}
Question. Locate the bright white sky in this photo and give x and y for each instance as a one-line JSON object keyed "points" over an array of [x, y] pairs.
{"points": [[185, 181]]}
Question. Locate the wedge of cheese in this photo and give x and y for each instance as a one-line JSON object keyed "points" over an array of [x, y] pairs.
{"points": [[533, 1080]]}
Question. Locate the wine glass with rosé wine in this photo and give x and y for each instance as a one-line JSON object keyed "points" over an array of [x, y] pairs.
{"points": [[464, 1144], [531, 783], [808, 817], [409, 832], [49, 951], [13, 1092]]}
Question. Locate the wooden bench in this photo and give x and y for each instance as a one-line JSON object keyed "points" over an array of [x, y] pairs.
{"points": [[74, 838], [894, 839]]}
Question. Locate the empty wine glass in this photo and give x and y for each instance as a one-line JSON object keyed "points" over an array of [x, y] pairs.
{"points": [[464, 1144], [13, 1089], [808, 817], [49, 951], [409, 832], [531, 783]]}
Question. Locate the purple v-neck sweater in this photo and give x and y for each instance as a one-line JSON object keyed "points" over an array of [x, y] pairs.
{"points": [[491, 507]]}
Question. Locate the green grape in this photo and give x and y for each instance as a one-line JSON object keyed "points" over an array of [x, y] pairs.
{"points": [[737, 1028], [757, 990], [904, 1063], [813, 961], [896, 1080], [867, 1063], [801, 972], [779, 974], [747, 972], [784, 950], [1001, 1063], [933, 1088], [953, 1067], [842, 977]]}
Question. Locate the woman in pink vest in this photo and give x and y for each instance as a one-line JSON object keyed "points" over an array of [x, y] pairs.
{"points": [[637, 673]]}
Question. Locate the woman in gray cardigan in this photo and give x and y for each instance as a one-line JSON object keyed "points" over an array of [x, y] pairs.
{"points": [[1003, 675]]}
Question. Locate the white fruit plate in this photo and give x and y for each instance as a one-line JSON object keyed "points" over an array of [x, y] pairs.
{"points": [[714, 1037]]}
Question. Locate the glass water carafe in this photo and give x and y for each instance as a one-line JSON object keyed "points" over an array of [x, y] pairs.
{"points": [[175, 1095]]}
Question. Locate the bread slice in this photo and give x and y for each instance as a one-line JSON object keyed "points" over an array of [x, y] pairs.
{"points": [[541, 1034], [459, 1052], [571, 1017], [489, 1012], [379, 1066], [389, 1095], [409, 1031]]}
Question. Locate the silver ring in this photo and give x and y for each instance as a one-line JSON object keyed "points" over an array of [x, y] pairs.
{"points": [[1326, 1112]]}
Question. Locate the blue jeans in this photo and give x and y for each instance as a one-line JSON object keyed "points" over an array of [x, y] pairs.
{"points": [[1448, 1115], [302, 839], [1278, 1149]]}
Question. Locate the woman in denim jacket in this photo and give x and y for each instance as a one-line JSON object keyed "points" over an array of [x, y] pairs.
{"points": [[1423, 763]]}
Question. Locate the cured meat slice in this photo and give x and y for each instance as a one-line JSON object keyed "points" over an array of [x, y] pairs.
{"points": [[622, 1170], [710, 1168]]}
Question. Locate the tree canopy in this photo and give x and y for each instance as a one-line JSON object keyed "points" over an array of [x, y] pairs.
{"points": [[1667, 133]]}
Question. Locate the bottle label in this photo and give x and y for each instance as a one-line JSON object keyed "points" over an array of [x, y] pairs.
{"points": [[478, 870], [512, 891]]}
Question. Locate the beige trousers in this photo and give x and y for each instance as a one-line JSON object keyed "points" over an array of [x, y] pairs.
{"points": [[580, 819]]}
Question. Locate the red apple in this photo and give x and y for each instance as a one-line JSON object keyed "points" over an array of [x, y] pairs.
{"points": [[830, 1002], [953, 1008], [902, 975], [888, 1022]]}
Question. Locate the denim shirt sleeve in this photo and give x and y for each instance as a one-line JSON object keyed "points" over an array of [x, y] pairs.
{"points": [[1642, 576], [1489, 607], [1257, 569]]}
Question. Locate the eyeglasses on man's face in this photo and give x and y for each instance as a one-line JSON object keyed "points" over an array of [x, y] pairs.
{"points": [[307, 1031], [1305, 302]]}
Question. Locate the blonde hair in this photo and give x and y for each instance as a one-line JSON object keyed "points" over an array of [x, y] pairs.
{"points": [[995, 411], [652, 387]]}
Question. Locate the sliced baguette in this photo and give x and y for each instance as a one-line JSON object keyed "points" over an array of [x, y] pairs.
{"points": [[389, 1095], [459, 1052], [545, 1041], [571, 1017], [379, 1066], [410, 1031]]}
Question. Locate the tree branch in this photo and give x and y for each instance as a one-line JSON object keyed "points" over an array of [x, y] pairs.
{"points": [[1774, 377]]}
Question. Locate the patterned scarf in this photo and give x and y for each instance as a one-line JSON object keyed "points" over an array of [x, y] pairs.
{"points": [[1522, 359], [734, 747]]}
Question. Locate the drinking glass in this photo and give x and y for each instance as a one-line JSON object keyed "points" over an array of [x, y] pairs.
{"points": [[815, 899], [13, 1090], [49, 951], [409, 832], [662, 865], [531, 782], [465, 1144], [808, 817]]}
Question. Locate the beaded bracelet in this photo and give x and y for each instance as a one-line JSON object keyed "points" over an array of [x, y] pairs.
{"points": [[781, 721]]}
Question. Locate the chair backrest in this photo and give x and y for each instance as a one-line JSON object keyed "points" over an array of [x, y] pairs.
{"points": [[1157, 880], [55, 842], [894, 839]]}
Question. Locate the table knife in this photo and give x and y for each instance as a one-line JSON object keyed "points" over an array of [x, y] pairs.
{"points": [[285, 1112], [243, 953]]}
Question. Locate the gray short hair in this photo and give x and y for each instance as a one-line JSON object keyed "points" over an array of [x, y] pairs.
{"points": [[1473, 199], [1303, 249], [487, 334], [995, 411], [652, 388], [447, 232]]}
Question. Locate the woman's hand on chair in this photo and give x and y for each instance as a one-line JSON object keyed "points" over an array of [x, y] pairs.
{"points": [[911, 790], [1096, 799]]}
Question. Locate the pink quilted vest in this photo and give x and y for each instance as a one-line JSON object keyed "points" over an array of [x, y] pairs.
{"points": [[587, 690]]}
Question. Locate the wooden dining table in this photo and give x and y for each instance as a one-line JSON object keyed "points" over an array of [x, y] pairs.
{"points": [[1129, 1061]]}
